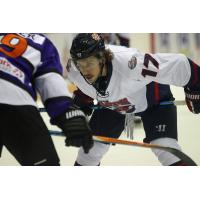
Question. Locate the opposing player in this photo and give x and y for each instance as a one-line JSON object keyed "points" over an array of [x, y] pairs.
{"points": [[30, 63], [125, 82]]}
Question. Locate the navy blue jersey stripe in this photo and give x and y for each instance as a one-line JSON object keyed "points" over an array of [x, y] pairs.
{"points": [[164, 94]]}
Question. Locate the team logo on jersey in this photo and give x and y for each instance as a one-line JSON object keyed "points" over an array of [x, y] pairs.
{"points": [[132, 62], [105, 95], [8, 68], [95, 36], [122, 106]]}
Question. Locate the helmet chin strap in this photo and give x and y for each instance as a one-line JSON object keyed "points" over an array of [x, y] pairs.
{"points": [[102, 64], [100, 83]]}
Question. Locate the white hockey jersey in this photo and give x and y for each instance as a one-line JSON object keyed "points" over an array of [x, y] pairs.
{"points": [[30, 63], [131, 72]]}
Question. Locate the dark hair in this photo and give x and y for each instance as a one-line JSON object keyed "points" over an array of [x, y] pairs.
{"points": [[106, 54]]}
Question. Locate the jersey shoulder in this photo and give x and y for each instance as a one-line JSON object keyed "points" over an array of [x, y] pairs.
{"points": [[124, 59], [33, 38], [39, 42]]}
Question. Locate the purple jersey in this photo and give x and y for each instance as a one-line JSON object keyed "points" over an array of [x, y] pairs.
{"points": [[30, 63]]}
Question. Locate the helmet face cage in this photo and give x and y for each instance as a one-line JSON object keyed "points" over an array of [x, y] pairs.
{"points": [[85, 45], [99, 55]]}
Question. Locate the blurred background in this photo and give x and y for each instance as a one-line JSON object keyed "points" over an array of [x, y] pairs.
{"points": [[187, 43]]}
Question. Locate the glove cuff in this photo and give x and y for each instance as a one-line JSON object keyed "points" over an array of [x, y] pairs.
{"points": [[192, 95], [71, 113], [74, 113]]}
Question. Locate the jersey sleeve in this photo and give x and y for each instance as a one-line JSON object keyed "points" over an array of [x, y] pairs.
{"points": [[50, 60], [49, 82], [170, 69]]}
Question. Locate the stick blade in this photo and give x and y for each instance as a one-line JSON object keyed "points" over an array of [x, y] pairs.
{"points": [[186, 159]]}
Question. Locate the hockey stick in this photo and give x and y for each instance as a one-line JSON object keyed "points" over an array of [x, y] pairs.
{"points": [[186, 159], [95, 107]]}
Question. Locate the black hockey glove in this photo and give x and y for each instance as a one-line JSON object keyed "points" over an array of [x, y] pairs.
{"points": [[192, 98], [83, 101], [75, 126], [192, 89]]}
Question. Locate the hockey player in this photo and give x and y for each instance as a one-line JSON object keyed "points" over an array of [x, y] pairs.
{"points": [[30, 63], [126, 81]]}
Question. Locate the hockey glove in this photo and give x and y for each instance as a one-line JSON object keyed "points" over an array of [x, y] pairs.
{"points": [[75, 126], [192, 98], [192, 89], [83, 101]]}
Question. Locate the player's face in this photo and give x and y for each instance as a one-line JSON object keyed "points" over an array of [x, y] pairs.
{"points": [[89, 67]]}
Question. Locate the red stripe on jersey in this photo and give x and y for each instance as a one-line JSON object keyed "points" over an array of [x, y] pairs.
{"points": [[195, 70], [156, 92], [152, 42]]}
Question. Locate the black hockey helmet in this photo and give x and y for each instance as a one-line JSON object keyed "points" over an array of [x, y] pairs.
{"points": [[86, 44]]}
